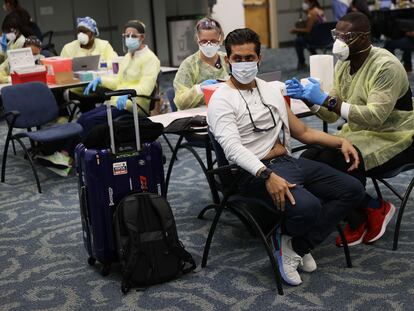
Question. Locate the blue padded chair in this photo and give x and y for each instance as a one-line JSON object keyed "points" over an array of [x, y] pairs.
{"points": [[259, 218], [31, 106], [403, 197]]}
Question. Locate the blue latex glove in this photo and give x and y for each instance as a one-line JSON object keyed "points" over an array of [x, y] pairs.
{"points": [[121, 102], [294, 88], [92, 86], [312, 92], [208, 82], [3, 42]]}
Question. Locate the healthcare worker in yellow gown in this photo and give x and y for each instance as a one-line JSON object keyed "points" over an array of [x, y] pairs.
{"points": [[138, 70], [87, 44]]}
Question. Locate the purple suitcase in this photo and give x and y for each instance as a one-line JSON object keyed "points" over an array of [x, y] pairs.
{"points": [[104, 179]]}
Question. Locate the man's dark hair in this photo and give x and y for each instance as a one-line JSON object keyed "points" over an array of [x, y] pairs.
{"points": [[242, 36], [316, 3], [359, 21]]}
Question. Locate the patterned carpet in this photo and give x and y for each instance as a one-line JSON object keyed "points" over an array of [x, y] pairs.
{"points": [[43, 262]]}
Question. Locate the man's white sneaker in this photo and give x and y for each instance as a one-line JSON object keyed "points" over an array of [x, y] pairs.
{"points": [[287, 258], [308, 264]]}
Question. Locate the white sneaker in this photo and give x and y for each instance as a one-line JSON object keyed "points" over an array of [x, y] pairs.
{"points": [[287, 258], [308, 264]]}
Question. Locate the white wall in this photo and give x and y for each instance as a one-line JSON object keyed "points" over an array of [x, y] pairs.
{"points": [[230, 14]]}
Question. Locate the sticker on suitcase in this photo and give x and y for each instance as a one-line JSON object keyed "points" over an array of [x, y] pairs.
{"points": [[120, 168]]}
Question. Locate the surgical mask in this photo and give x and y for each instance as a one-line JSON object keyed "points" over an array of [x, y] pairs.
{"points": [[209, 50], [83, 38], [305, 6], [340, 50], [132, 44], [244, 72], [11, 36]]}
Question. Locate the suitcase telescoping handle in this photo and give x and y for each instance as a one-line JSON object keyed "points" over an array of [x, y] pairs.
{"points": [[132, 96]]}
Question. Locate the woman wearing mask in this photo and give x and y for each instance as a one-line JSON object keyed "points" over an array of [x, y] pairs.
{"points": [[138, 70], [30, 42], [203, 67], [315, 15], [12, 37]]}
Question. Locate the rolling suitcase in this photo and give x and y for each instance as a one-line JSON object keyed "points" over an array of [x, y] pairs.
{"points": [[105, 177]]}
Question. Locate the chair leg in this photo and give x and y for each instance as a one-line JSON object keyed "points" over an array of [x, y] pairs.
{"points": [[211, 183], [29, 157], [211, 233], [346, 247], [206, 209], [14, 148], [170, 166], [377, 189], [3, 165], [400, 214], [270, 253]]}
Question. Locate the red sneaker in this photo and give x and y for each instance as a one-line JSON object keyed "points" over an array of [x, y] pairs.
{"points": [[353, 237], [378, 219]]}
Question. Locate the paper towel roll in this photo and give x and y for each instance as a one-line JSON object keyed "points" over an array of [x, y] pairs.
{"points": [[322, 67]]}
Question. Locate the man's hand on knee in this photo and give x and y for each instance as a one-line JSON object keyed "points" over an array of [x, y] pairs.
{"points": [[279, 189]]}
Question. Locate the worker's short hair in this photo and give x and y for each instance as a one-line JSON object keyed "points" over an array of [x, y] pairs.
{"points": [[137, 24], [359, 21]]}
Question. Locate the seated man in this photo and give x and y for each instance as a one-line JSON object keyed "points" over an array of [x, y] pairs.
{"points": [[250, 120], [372, 92], [138, 70], [87, 44]]}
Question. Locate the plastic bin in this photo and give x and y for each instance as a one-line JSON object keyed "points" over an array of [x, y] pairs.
{"points": [[54, 65], [18, 78]]}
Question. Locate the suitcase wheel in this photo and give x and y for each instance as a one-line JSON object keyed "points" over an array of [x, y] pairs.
{"points": [[105, 269], [91, 261]]}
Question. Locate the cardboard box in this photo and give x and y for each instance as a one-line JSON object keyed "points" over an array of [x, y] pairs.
{"points": [[65, 77]]}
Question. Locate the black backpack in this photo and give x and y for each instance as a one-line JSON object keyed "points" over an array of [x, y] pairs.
{"points": [[147, 242]]}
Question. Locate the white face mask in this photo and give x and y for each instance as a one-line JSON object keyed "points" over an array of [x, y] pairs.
{"points": [[209, 50], [132, 44], [340, 50], [83, 38], [11, 36], [305, 6], [244, 72]]}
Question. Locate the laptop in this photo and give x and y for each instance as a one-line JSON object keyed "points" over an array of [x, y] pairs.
{"points": [[271, 76], [85, 63]]}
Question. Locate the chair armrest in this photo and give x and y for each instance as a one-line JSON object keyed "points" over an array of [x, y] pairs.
{"points": [[221, 169]]}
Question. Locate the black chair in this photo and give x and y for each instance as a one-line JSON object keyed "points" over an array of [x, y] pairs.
{"points": [[193, 139], [320, 37], [32, 113], [403, 197], [255, 214]]}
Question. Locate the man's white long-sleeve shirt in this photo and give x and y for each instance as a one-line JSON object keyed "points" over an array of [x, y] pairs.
{"points": [[230, 123]]}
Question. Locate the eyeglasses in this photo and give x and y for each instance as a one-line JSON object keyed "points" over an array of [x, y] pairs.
{"points": [[255, 128], [347, 36], [208, 42]]}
